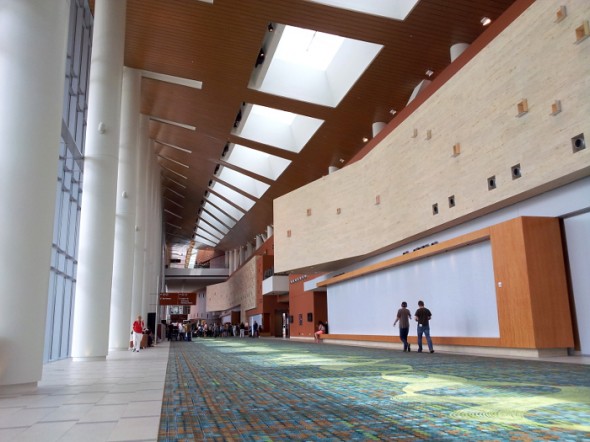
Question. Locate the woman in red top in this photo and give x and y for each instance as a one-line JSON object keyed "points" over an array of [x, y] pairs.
{"points": [[137, 333]]}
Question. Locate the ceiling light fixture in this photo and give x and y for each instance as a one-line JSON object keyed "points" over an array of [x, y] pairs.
{"points": [[392, 111], [172, 79], [175, 182], [365, 139], [271, 27], [429, 72], [173, 123], [174, 202], [174, 161], [182, 149], [260, 58], [485, 21], [174, 172], [172, 213], [175, 192]]}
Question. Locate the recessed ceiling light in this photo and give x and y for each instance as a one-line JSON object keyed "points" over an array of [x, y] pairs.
{"points": [[486, 21], [365, 139]]}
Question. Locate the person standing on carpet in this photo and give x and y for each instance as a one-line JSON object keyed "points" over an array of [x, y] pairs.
{"points": [[137, 333], [423, 317], [403, 316]]}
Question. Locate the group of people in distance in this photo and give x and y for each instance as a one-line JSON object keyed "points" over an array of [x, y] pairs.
{"points": [[422, 317]]}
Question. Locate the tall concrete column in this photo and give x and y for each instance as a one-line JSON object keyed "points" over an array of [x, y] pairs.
{"points": [[33, 35], [97, 221], [157, 246], [122, 288], [153, 238], [140, 218]]}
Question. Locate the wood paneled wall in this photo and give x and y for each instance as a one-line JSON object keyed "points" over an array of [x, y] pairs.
{"points": [[531, 287]]}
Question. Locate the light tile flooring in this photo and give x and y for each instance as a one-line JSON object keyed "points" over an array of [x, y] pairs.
{"points": [[117, 399]]}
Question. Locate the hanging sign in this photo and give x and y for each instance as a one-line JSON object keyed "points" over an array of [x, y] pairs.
{"points": [[178, 298]]}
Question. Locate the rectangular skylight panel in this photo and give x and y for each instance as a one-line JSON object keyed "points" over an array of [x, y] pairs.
{"points": [[217, 213], [270, 114], [213, 234], [241, 200], [260, 163], [308, 48], [277, 128], [214, 222], [395, 9], [204, 234], [226, 207], [248, 184], [201, 243]]}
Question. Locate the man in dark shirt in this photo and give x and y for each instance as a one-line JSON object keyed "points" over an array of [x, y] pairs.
{"points": [[423, 316]]}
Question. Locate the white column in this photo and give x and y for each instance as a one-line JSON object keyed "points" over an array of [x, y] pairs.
{"points": [[122, 288], [269, 231], [140, 219], [259, 241], [153, 240], [97, 221], [32, 72]]}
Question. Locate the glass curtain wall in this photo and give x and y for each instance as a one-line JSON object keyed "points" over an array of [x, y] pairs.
{"points": [[62, 284]]}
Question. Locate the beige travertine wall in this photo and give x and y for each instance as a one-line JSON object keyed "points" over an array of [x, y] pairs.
{"points": [[536, 59], [239, 290]]}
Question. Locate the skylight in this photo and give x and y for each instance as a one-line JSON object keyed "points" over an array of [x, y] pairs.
{"points": [[308, 48], [237, 198], [217, 213], [203, 235], [248, 184], [277, 128], [260, 163], [226, 207], [209, 219], [307, 65], [395, 9]]}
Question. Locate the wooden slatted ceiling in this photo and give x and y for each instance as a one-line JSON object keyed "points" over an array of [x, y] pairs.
{"points": [[218, 44]]}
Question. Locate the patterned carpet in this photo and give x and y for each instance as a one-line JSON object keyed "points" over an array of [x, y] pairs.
{"points": [[234, 389]]}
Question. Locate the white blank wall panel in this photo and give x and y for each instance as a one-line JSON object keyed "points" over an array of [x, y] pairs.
{"points": [[457, 286], [577, 233]]}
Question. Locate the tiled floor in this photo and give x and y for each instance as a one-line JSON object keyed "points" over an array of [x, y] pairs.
{"points": [[117, 399]]}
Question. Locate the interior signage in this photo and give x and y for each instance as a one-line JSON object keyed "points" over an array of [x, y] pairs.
{"points": [[180, 298]]}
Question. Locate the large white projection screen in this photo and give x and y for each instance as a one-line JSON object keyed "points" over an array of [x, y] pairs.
{"points": [[457, 287]]}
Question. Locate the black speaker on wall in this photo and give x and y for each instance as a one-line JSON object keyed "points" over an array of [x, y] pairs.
{"points": [[310, 317]]}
